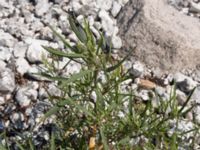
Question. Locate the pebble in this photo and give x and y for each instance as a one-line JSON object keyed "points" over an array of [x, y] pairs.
{"points": [[6, 39], [116, 42], [2, 100], [104, 4], [116, 8], [7, 80], [2, 65], [22, 66], [137, 69], [20, 49], [5, 53], [35, 52], [42, 7], [25, 95], [196, 95], [184, 83], [107, 23]]}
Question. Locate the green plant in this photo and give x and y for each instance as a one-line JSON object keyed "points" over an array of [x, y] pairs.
{"points": [[91, 108], [93, 112]]}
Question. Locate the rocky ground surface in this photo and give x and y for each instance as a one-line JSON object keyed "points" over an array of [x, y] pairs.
{"points": [[188, 7], [23, 29]]}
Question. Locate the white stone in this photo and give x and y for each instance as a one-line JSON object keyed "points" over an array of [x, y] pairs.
{"points": [[144, 94], [73, 68], [76, 6], [2, 65], [116, 8], [25, 95], [54, 90], [123, 2], [7, 81], [137, 69], [93, 96], [116, 42], [184, 83], [181, 97], [42, 7], [196, 95], [6, 39], [28, 111], [104, 4], [194, 7], [107, 23], [2, 100], [22, 66], [5, 53], [86, 2], [20, 49], [35, 52]]}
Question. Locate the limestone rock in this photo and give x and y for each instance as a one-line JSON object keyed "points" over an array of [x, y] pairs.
{"points": [[163, 37], [35, 51], [7, 81]]}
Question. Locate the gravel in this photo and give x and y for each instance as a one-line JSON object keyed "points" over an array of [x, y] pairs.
{"points": [[23, 31]]}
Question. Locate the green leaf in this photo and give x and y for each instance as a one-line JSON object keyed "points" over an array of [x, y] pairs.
{"points": [[20, 146], [30, 144], [112, 68], [2, 147], [104, 140], [62, 54], [56, 78], [186, 102], [77, 29], [52, 143], [77, 76]]}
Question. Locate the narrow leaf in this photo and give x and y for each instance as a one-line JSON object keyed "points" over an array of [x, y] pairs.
{"points": [[52, 144], [112, 68], [62, 54], [186, 102], [77, 28], [104, 141], [77, 76]]}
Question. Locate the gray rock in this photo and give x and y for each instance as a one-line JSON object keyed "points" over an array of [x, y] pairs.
{"points": [[54, 90], [25, 95], [107, 22], [137, 69], [2, 100], [104, 4], [20, 49], [161, 35], [184, 83], [2, 65], [116, 42], [5, 53], [7, 80], [144, 94], [194, 7], [42, 7], [116, 8], [76, 6], [196, 95], [181, 97], [86, 2], [29, 17], [17, 120], [35, 52], [6, 39], [22, 66]]}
